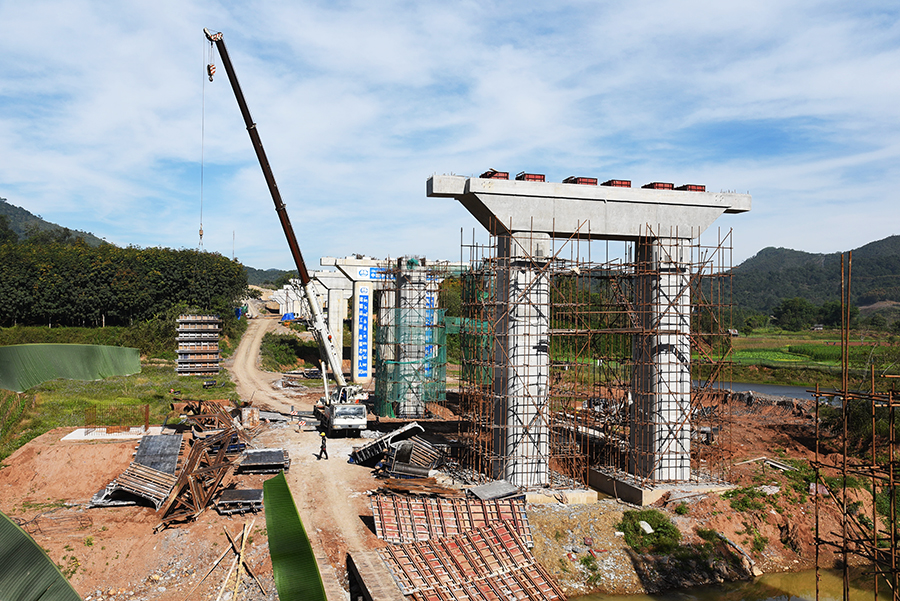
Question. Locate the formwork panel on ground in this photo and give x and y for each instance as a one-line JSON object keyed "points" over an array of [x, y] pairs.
{"points": [[406, 519], [141, 481], [487, 563], [159, 452], [264, 461]]}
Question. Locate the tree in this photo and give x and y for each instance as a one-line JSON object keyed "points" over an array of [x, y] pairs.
{"points": [[795, 314], [7, 235], [285, 279]]}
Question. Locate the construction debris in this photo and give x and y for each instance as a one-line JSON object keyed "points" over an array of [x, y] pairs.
{"points": [[375, 448], [237, 550], [207, 464], [413, 457], [239, 501], [151, 476], [418, 486], [264, 461], [498, 489], [160, 452], [137, 481]]}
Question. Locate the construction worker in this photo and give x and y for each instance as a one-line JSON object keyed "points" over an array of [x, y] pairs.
{"points": [[323, 450]]}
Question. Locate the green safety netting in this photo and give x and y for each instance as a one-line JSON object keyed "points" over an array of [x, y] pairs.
{"points": [[294, 565], [422, 380], [26, 572], [25, 365]]}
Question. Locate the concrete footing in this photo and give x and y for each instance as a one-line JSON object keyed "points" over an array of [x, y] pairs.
{"points": [[626, 489], [569, 497]]}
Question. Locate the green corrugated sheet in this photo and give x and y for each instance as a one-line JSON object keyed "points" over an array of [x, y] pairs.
{"points": [[26, 572], [294, 566], [25, 365]]}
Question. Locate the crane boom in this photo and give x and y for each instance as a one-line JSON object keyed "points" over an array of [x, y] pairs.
{"points": [[320, 330]]}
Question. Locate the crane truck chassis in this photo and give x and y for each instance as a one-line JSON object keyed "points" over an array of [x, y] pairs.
{"points": [[342, 409]]}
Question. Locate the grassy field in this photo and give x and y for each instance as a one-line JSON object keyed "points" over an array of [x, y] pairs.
{"points": [[808, 358], [57, 403]]}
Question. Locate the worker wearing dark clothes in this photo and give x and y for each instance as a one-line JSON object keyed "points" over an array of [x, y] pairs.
{"points": [[323, 450]]}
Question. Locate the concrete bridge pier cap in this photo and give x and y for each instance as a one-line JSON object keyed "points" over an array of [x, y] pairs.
{"points": [[525, 215]]}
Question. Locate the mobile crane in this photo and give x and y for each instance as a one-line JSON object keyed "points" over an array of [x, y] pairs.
{"points": [[342, 409]]}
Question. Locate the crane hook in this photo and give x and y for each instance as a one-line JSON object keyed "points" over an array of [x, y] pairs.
{"points": [[211, 70]]}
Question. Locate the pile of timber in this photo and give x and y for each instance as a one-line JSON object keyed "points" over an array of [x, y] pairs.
{"points": [[418, 486]]}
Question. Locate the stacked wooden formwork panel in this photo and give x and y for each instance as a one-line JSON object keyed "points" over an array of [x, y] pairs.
{"points": [[401, 519], [198, 345], [486, 564]]}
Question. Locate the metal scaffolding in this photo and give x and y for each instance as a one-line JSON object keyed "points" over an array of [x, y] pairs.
{"points": [[576, 356], [410, 340], [870, 453]]}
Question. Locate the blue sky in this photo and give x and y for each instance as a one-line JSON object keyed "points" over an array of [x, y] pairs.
{"points": [[359, 102]]}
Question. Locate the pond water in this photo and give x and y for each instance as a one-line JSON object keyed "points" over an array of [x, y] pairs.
{"points": [[769, 587], [794, 392]]}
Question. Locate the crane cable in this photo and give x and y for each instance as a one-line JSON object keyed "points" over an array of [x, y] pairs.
{"points": [[210, 70]]}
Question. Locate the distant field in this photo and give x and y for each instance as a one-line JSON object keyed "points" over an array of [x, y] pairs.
{"points": [[810, 358]]}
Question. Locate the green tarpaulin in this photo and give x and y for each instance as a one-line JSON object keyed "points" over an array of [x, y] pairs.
{"points": [[26, 572], [294, 565], [25, 365]]}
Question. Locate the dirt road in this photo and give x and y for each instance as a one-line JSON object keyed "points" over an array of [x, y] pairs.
{"points": [[330, 494], [252, 384]]}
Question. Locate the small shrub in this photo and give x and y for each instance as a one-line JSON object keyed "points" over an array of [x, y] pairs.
{"points": [[834, 482], [883, 501], [682, 509], [759, 541], [589, 562], [89, 541], [665, 537], [708, 534], [745, 499]]}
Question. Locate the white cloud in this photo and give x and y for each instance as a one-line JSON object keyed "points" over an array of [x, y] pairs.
{"points": [[359, 102]]}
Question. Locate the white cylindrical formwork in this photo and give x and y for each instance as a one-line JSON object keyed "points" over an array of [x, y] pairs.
{"points": [[521, 379], [661, 429]]}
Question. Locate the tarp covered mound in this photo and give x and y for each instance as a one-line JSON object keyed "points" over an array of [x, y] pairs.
{"points": [[25, 365], [26, 572]]}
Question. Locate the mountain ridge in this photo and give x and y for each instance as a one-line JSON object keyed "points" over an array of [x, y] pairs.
{"points": [[775, 274], [23, 222]]}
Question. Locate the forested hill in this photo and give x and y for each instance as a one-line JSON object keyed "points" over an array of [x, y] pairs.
{"points": [[26, 224], [263, 277], [775, 274]]}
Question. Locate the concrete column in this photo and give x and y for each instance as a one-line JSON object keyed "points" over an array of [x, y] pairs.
{"points": [[521, 383], [361, 370], [661, 431], [337, 312]]}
